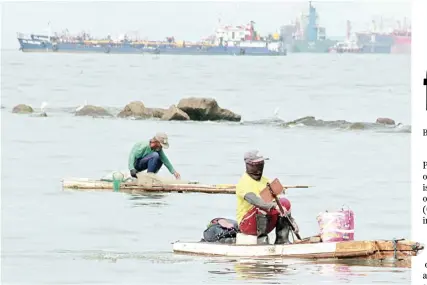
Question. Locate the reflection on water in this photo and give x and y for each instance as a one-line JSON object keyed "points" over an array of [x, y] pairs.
{"points": [[149, 196], [386, 263], [261, 270], [256, 269], [144, 200], [116, 256], [277, 268], [143, 204]]}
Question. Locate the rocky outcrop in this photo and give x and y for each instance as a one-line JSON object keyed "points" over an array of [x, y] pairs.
{"points": [[308, 120], [198, 109], [22, 109], [133, 109], [137, 109], [155, 112], [175, 114], [93, 111], [357, 126], [385, 121], [206, 109]]}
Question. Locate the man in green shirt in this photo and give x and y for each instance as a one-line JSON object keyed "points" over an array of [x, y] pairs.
{"points": [[150, 156]]}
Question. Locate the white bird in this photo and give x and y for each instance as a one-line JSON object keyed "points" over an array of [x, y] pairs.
{"points": [[43, 106], [276, 112], [81, 107]]}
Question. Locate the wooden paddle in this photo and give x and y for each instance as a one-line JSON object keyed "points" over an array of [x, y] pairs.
{"points": [[282, 212]]}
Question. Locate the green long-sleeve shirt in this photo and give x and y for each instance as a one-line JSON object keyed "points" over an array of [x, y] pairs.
{"points": [[142, 149]]}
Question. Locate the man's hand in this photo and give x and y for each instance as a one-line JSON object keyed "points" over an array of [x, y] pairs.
{"points": [[133, 173], [177, 175], [278, 209], [295, 225]]}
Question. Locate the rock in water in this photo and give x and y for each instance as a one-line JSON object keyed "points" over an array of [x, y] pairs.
{"points": [[94, 111], [22, 109], [133, 109], [385, 121], [206, 109], [175, 114], [307, 120], [43, 114], [155, 112], [227, 115], [137, 109], [357, 126]]}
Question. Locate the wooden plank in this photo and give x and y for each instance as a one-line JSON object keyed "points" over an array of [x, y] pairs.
{"points": [[205, 248], [401, 245], [379, 246], [368, 250], [356, 246]]}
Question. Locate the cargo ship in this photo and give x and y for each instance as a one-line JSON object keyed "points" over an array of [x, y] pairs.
{"points": [[305, 34], [227, 40], [397, 40]]}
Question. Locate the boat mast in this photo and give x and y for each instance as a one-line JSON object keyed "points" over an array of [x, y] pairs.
{"points": [[49, 31], [348, 30]]}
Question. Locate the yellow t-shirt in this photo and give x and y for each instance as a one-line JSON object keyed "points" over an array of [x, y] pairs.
{"points": [[246, 185]]}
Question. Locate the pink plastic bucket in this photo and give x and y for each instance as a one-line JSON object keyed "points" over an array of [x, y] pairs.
{"points": [[336, 226]]}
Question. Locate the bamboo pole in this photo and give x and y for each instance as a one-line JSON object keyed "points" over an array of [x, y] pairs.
{"points": [[87, 184]]}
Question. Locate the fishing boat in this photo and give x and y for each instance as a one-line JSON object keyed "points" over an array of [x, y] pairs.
{"points": [[310, 248], [335, 241], [348, 46], [148, 182]]}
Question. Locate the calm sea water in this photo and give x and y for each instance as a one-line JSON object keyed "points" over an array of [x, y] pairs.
{"points": [[51, 236]]}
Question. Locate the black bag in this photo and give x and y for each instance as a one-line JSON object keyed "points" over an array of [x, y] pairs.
{"points": [[221, 230]]}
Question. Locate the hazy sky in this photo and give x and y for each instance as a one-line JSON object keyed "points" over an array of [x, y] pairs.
{"points": [[186, 20]]}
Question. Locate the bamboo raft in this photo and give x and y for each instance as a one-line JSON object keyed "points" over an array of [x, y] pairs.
{"points": [[371, 250], [134, 187], [152, 183]]}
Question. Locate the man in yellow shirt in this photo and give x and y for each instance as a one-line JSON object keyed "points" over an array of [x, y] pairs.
{"points": [[255, 216]]}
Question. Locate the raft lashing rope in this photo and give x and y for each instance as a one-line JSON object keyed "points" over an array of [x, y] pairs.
{"points": [[395, 241]]}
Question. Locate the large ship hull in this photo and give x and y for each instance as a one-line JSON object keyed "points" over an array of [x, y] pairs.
{"points": [[47, 46], [320, 46], [402, 44], [383, 43], [220, 51]]}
